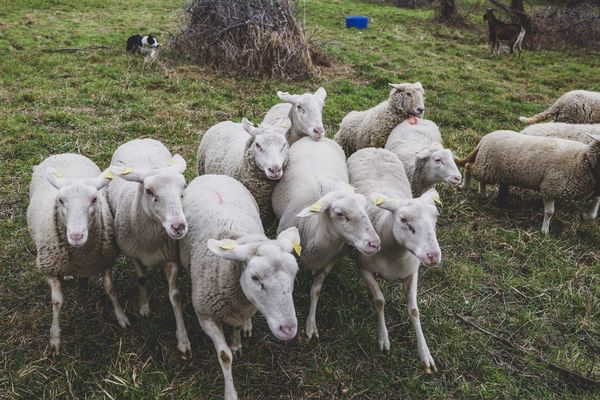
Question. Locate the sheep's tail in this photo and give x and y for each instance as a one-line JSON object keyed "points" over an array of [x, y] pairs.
{"points": [[460, 162], [519, 42], [550, 111]]}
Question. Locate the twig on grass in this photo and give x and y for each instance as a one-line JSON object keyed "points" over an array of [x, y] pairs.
{"points": [[75, 49], [572, 374]]}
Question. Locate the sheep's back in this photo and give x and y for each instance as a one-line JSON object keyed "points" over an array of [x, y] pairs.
{"points": [[278, 117], [222, 148], [578, 132], [378, 171]]}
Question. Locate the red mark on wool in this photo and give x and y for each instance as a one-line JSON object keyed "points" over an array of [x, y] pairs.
{"points": [[413, 120], [220, 198]]}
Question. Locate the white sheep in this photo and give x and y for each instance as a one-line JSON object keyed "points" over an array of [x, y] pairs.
{"points": [[418, 144], [235, 269], [299, 115], [254, 156], [406, 227], [371, 128], [69, 220], [557, 168], [314, 196], [149, 219], [576, 107]]}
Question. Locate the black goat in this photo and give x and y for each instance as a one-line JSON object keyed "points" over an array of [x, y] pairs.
{"points": [[500, 31]]}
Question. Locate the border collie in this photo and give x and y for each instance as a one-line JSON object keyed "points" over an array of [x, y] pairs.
{"points": [[141, 44]]}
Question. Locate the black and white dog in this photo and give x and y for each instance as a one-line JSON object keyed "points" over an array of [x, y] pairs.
{"points": [[141, 44]]}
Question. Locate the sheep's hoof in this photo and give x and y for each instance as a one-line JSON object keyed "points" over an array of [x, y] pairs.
{"points": [[311, 329], [236, 350], [384, 346], [144, 310], [123, 321], [185, 349], [54, 346], [247, 329], [587, 216]]}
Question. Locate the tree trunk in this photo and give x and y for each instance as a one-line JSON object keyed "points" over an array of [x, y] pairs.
{"points": [[517, 5], [447, 10]]}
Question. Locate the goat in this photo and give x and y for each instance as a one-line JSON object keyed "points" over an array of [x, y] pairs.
{"points": [[500, 31]]}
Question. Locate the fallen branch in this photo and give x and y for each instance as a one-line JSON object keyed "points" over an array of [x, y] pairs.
{"points": [[75, 49], [573, 374]]}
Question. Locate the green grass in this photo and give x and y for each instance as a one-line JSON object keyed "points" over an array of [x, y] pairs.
{"points": [[541, 293]]}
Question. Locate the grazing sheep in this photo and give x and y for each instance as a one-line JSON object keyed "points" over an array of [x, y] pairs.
{"points": [[372, 127], [314, 196], [558, 168], [69, 220], [406, 227], [235, 269], [254, 156], [418, 144], [576, 107], [578, 132], [299, 115], [149, 219]]}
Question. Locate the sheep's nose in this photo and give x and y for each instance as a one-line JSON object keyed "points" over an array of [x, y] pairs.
{"points": [[319, 132], [420, 110], [76, 237], [178, 228], [275, 170], [433, 257], [288, 329]]}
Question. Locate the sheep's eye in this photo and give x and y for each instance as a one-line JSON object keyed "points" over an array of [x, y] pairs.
{"points": [[403, 220], [411, 229], [299, 107], [438, 160], [182, 195], [409, 94], [61, 201], [259, 147], [149, 192], [94, 200], [283, 147], [339, 213]]}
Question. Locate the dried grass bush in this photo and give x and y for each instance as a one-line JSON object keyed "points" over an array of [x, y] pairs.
{"points": [[556, 27], [251, 37]]}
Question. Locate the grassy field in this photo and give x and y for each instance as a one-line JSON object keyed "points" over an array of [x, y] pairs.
{"points": [[540, 293]]}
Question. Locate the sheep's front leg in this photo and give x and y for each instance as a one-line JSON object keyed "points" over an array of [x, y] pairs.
{"points": [[112, 293], [592, 213], [379, 302], [236, 341], [410, 290], [57, 302], [315, 292], [214, 331], [467, 177], [183, 343], [140, 271], [482, 189], [548, 213]]}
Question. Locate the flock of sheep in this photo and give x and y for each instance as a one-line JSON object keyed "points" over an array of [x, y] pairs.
{"points": [[371, 188]]}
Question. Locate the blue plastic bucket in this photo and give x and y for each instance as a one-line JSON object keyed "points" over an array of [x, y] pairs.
{"points": [[357, 21]]}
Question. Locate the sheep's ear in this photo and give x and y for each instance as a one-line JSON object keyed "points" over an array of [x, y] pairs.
{"points": [[424, 153], [317, 207], [399, 86], [177, 164], [595, 137], [231, 250], [130, 174], [321, 93], [431, 196], [382, 201], [290, 240], [288, 98], [249, 127], [417, 86], [55, 177], [101, 180]]}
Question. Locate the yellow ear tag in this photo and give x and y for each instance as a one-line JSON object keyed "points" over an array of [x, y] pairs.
{"points": [[436, 199], [172, 162], [297, 248], [380, 200], [109, 175], [57, 174], [125, 171], [285, 125], [315, 207], [229, 245]]}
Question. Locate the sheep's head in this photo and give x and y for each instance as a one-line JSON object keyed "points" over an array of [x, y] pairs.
{"points": [[77, 203], [270, 149], [162, 191], [408, 99], [307, 112], [347, 216], [489, 15], [267, 279], [414, 224], [439, 165]]}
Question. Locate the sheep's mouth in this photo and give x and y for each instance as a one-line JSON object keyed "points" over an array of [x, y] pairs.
{"points": [[453, 180], [274, 176]]}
